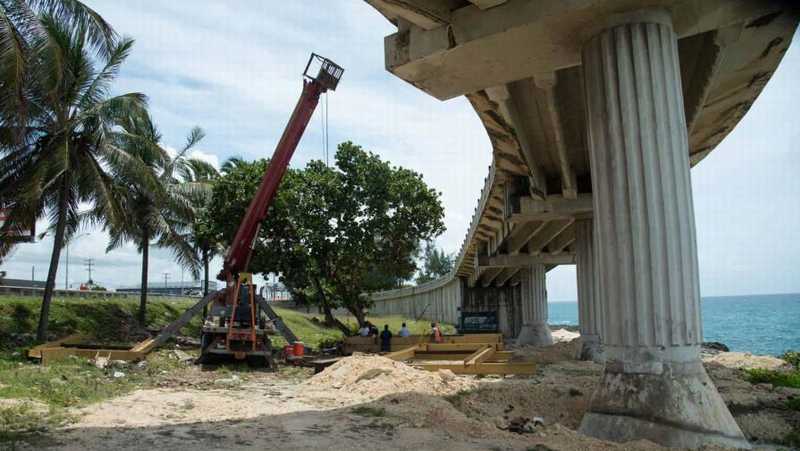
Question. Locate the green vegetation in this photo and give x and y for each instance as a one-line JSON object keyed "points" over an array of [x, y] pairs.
{"points": [[774, 377], [792, 358], [435, 263], [334, 233]]}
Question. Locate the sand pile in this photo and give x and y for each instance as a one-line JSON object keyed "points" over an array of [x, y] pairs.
{"points": [[564, 335], [377, 376], [741, 360]]}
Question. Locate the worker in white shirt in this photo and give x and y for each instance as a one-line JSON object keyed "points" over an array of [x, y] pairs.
{"points": [[364, 331], [404, 332]]}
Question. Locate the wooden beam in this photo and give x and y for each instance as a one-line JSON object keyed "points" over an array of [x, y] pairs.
{"points": [[481, 355], [404, 354], [452, 347], [544, 236]]}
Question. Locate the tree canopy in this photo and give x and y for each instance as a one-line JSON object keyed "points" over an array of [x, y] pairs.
{"points": [[435, 263], [334, 233]]}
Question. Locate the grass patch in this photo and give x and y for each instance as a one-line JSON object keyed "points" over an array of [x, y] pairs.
{"points": [[24, 420], [368, 411], [792, 358], [776, 378], [793, 404]]}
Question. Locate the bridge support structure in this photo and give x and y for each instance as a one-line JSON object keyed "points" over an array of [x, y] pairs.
{"points": [[533, 285], [589, 305], [654, 385]]}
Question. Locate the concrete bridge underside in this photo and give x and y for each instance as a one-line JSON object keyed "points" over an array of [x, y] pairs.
{"points": [[596, 110]]}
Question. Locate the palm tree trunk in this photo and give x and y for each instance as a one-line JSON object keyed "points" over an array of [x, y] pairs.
{"points": [[205, 281], [145, 264], [58, 243]]}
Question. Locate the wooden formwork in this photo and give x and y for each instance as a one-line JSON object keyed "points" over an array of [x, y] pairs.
{"points": [[373, 344], [470, 356], [74, 345]]}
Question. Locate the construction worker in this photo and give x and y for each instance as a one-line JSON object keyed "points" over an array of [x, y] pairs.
{"points": [[436, 332], [404, 332], [364, 331], [386, 339]]}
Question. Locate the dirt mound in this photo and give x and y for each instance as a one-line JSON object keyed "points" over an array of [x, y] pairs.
{"points": [[377, 376], [564, 335], [559, 352]]}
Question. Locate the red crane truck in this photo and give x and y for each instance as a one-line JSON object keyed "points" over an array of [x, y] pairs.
{"points": [[234, 326]]}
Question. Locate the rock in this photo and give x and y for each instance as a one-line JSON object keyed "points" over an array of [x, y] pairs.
{"points": [[715, 346], [228, 381], [142, 364], [447, 375], [118, 374], [182, 356], [101, 362]]}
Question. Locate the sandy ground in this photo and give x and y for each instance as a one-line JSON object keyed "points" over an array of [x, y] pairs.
{"points": [[369, 402]]}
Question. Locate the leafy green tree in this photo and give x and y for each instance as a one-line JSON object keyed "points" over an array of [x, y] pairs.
{"points": [[58, 124], [335, 233], [435, 264], [162, 212]]}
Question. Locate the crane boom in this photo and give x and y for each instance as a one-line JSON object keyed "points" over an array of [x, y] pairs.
{"points": [[238, 256]]}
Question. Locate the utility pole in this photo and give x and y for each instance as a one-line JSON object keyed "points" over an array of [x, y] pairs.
{"points": [[33, 271], [166, 278], [89, 264]]}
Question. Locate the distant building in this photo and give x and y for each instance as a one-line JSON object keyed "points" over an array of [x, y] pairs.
{"points": [[25, 283], [188, 288]]}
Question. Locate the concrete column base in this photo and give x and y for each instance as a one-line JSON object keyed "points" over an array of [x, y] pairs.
{"points": [[678, 408], [536, 334], [590, 348]]}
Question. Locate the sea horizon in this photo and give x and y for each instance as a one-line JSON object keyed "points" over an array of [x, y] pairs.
{"points": [[765, 324]]}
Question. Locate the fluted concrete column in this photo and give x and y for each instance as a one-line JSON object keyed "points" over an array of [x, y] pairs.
{"points": [[589, 308], [535, 330], [654, 385]]}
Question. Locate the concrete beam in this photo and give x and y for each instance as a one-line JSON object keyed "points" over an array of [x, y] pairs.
{"points": [[443, 61], [548, 105], [520, 235], [519, 260], [505, 276], [563, 240], [426, 14], [488, 275], [486, 4], [547, 234]]}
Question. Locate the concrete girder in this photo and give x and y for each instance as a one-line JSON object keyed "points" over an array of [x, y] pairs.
{"points": [[521, 234], [487, 276], [518, 260], [486, 4], [548, 106], [562, 241], [505, 276], [426, 14], [441, 61], [544, 236]]}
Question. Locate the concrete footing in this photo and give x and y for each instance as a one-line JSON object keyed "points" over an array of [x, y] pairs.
{"points": [[590, 348], [536, 334], [680, 408]]}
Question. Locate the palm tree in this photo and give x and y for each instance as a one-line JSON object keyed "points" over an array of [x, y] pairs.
{"points": [[203, 239], [160, 214], [58, 125]]}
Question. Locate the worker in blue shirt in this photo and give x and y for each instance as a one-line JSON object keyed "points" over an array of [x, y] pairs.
{"points": [[386, 339]]}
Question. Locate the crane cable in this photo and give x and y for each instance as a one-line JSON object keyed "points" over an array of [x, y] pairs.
{"points": [[323, 120]]}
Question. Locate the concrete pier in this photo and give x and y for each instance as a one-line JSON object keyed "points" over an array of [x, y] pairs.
{"points": [[654, 385], [535, 330], [589, 306]]}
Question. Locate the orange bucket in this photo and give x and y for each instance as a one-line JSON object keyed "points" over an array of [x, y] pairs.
{"points": [[299, 349], [288, 351]]}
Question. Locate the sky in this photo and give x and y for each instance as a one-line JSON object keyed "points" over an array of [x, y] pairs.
{"points": [[234, 69]]}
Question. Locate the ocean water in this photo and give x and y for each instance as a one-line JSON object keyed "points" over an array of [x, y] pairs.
{"points": [[763, 324]]}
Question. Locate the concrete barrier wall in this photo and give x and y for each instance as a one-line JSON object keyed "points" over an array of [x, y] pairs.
{"points": [[438, 300]]}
